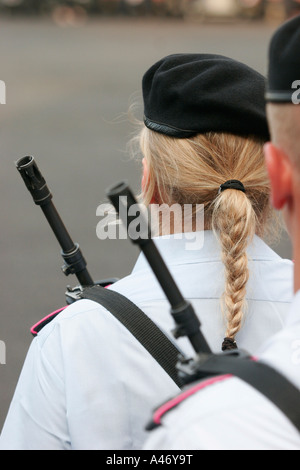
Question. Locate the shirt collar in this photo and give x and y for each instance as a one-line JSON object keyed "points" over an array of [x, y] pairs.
{"points": [[199, 247]]}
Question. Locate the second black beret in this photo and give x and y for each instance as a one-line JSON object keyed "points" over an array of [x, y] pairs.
{"points": [[188, 94], [284, 62]]}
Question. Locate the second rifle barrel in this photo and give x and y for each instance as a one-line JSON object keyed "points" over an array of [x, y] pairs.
{"points": [[182, 311]]}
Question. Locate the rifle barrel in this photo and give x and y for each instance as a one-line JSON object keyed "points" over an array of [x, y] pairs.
{"points": [[71, 253], [182, 311]]}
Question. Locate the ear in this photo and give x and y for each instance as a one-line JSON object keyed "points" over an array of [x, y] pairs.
{"points": [[280, 174], [145, 174], [145, 181]]}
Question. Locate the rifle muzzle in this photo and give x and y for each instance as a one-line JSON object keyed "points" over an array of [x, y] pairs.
{"points": [[34, 180]]}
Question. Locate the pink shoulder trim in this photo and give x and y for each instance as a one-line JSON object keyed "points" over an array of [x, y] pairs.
{"points": [[41, 323], [178, 399]]}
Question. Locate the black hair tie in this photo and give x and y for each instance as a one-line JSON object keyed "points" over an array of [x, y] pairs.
{"points": [[232, 184], [228, 344]]}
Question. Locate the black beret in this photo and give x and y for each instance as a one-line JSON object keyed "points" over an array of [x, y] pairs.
{"points": [[284, 62], [188, 94]]}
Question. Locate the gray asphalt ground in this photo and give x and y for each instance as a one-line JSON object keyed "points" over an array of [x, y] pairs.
{"points": [[68, 89]]}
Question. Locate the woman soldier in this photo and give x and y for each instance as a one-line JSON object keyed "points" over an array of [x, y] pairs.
{"points": [[87, 383], [202, 143]]}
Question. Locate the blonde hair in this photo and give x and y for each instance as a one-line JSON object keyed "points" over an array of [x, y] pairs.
{"points": [[190, 171]]}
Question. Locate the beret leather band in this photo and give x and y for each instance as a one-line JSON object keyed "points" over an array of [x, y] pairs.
{"points": [[168, 130], [279, 96]]}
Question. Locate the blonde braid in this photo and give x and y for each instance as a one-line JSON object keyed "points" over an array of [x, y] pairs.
{"points": [[234, 223]]}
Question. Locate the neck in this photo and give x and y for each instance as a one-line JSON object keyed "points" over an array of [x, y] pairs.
{"points": [[296, 257], [294, 231]]}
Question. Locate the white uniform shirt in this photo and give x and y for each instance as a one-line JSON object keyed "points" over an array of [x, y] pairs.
{"points": [[231, 415], [88, 384]]}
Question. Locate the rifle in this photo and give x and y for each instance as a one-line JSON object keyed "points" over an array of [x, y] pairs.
{"points": [[187, 323], [74, 262]]}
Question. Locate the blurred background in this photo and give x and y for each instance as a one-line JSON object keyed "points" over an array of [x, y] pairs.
{"points": [[72, 69], [68, 11]]}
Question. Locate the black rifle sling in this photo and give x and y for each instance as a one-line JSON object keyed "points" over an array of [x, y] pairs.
{"points": [[140, 325], [263, 378]]}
